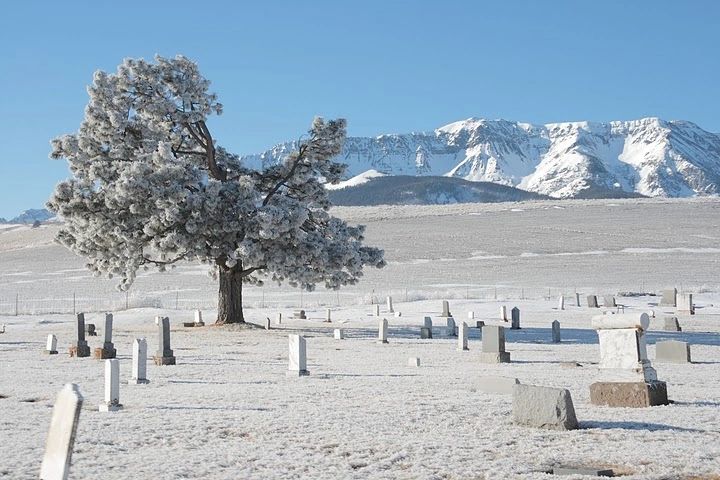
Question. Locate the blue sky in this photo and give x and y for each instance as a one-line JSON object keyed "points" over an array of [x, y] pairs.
{"points": [[387, 66]]}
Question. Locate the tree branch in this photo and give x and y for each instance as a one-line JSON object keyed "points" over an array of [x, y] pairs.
{"points": [[273, 191]]}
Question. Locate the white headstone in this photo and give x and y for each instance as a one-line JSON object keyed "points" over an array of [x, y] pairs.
{"points": [[669, 298], [328, 314], [51, 346], [339, 334], [471, 315], [198, 318], [503, 313], [390, 305], [685, 303], [462, 336], [377, 309], [556, 331], [112, 386], [623, 351], [561, 303], [382, 331], [267, 323], [61, 435], [297, 364], [139, 362], [413, 362]]}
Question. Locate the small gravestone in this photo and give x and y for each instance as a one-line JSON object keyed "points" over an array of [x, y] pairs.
{"points": [[609, 301], [685, 304], [577, 299], [377, 310], [556, 331], [499, 385], [413, 362], [493, 345], [139, 362], [328, 314], [669, 298], [279, 319], [299, 315], [297, 364], [503, 313], [445, 309], [267, 323], [561, 303], [198, 319], [90, 330], [427, 322], [382, 331], [471, 315], [479, 324], [164, 354], [543, 407], [390, 305], [515, 325], [112, 386], [339, 334], [61, 435], [672, 351], [592, 301], [462, 337], [51, 345], [80, 347], [108, 349], [425, 333], [451, 327], [671, 324]]}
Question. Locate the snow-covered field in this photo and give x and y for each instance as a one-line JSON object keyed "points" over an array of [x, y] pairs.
{"points": [[228, 410]]}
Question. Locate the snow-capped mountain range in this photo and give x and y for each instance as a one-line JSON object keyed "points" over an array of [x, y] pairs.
{"points": [[650, 156], [31, 216]]}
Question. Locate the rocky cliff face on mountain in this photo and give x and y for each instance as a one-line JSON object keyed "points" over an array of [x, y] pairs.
{"points": [[650, 156]]}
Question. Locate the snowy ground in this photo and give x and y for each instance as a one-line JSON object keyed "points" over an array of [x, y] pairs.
{"points": [[228, 410]]}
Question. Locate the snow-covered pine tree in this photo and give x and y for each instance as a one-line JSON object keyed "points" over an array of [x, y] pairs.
{"points": [[151, 188]]}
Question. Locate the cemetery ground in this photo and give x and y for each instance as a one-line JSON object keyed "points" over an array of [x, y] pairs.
{"points": [[229, 410]]}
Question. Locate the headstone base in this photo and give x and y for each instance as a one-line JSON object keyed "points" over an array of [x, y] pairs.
{"points": [[629, 394], [50, 352], [80, 351], [104, 353], [110, 407], [298, 373], [138, 381], [491, 357], [164, 360]]}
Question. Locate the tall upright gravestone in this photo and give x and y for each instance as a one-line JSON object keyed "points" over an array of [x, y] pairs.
{"points": [[164, 354], [515, 325], [108, 349], [493, 345], [139, 362], [61, 436], [297, 359], [445, 309], [80, 347]]}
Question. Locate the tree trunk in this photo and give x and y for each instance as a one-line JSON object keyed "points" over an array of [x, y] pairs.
{"points": [[230, 296]]}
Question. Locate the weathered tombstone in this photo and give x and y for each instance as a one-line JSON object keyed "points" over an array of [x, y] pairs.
{"points": [[631, 379], [503, 313], [561, 302], [90, 330], [427, 322], [493, 345], [108, 349], [328, 314], [515, 325], [556, 331], [139, 362], [339, 334], [462, 337], [499, 385], [543, 407], [425, 333], [669, 298], [577, 299], [112, 386], [198, 319], [413, 362], [377, 309], [672, 351], [51, 345], [382, 331], [471, 315], [445, 309], [671, 324], [279, 319], [479, 324], [164, 354], [61, 435], [390, 305], [609, 301], [80, 347], [592, 301], [267, 323], [451, 327], [685, 304], [297, 365], [299, 314]]}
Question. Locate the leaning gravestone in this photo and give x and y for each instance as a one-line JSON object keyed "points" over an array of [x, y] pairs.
{"points": [[51, 345], [139, 362], [451, 327], [164, 354], [297, 363], [462, 337], [592, 301], [112, 386], [685, 304], [80, 347], [669, 298], [556, 331], [61, 436], [515, 325], [108, 349], [672, 351], [671, 324], [445, 309], [493, 345], [382, 331], [543, 407], [629, 380]]}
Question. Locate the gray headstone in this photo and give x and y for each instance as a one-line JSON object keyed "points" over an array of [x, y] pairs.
{"points": [[90, 330], [390, 305], [299, 314], [112, 386], [462, 336], [671, 324], [493, 345], [446, 309], [515, 325], [425, 332], [543, 407], [556, 331], [672, 351], [108, 343], [427, 322], [382, 331], [451, 327], [685, 303], [267, 323], [279, 319], [139, 362], [577, 299], [609, 301], [328, 315], [479, 324], [592, 301], [377, 309], [164, 354], [669, 298], [61, 435], [297, 364], [80, 347]]}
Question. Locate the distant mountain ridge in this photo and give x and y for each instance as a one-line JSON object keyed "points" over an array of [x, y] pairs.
{"points": [[31, 216], [646, 157]]}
